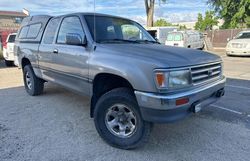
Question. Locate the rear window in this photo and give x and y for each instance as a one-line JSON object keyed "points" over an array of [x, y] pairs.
{"points": [[178, 37], [12, 38], [23, 32], [170, 37], [174, 37], [34, 30]]}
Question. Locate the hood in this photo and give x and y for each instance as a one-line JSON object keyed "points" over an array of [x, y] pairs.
{"points": [[168, 55], [240, 41]]}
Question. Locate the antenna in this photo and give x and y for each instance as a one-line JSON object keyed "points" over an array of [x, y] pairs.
{"points": [[94, 22]]}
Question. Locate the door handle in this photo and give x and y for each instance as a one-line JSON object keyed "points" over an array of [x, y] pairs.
{"points": [[55, 51]]}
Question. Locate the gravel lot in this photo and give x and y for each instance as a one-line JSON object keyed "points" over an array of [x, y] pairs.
{"points": [[56, 125]]}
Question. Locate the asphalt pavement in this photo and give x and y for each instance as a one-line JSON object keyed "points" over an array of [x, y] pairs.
{"points": [[56, 126]]}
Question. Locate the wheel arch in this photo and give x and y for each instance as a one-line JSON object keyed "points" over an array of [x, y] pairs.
{"points": [[104, 82], [25, 61]]}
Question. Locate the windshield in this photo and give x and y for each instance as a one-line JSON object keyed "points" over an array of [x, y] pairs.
{"points": [[243, 35], [12, 38], [111, 29]]}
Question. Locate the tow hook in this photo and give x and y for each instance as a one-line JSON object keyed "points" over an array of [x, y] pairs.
{"points": [[220, 93]]}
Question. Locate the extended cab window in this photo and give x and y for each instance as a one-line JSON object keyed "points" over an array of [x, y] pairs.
{"points": [[23, 32], [70, 25], [34, 30], [50, 31]]}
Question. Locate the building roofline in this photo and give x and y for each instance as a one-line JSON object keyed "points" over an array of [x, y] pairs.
{"points": [[12, 13]]}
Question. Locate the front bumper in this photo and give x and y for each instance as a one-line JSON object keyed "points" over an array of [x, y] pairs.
{"points": [[8, 56], [162, 108], [238, 52]]}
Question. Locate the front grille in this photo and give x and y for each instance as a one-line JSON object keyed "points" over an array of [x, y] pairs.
{"points": [[239, 45], [204, 73]]}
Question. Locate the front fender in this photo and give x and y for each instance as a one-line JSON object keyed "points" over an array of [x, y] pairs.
{"points": [[138, 72]]}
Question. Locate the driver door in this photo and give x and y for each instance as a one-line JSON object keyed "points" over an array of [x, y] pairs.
{"points": [[70, 61]]}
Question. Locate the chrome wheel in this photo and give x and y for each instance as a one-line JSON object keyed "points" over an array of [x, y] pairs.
{"points": [[28, 80], [120, 120]]}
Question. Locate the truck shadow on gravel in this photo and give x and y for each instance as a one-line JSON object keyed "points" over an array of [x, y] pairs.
{"points": [[2, 65]]}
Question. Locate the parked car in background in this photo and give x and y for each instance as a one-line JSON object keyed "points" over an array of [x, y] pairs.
{"points": [[131, 80], [160, 33], [1, 45], [187, 39], [8, 50], [240, 45]]}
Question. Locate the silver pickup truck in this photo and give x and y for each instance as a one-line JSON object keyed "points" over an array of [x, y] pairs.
{"points": [[132, 81]]}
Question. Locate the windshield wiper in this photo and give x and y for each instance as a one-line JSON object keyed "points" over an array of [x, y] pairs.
{"points": [[116, 40]]}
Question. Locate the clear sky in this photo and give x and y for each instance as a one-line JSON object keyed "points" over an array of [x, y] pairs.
{"points": [[173, 10]]}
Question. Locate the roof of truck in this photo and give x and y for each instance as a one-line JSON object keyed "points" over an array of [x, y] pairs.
{"points": [[39, 17], [91, 14], [35, 19]]}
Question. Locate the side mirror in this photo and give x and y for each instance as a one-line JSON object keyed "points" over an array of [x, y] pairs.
{"points": [[75, 39], [228, 39]]}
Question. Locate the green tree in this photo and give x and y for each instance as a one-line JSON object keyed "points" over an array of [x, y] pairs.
{"points": [[236, 13], [182, 27], [162, 22], [207, 22], [198, 24], [210, 20], [149, 5]]}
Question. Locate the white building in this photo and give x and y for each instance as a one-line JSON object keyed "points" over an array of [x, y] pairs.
{"points": [[189, 25]]}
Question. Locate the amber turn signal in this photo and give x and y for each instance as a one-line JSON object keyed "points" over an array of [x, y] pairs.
{"points": [[160, 79]]}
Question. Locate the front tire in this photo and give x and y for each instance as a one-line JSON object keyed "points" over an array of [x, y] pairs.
{"points": [[118, 120], [33, 85]]}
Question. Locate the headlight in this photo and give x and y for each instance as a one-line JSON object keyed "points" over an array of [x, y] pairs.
{"points": [[178, 79], [229, 45], [173, 79]]}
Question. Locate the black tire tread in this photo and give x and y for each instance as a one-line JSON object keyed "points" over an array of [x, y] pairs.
{"points": [[129, 95], [38, 83]]}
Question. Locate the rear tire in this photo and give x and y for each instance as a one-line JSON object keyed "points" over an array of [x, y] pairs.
{"points": [[118, 120], [202, 48], [9, 63], [33, 85]]}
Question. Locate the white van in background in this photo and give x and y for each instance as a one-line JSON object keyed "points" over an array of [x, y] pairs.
{"points": [[8, 50], [160, 33], [187, 39]]}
